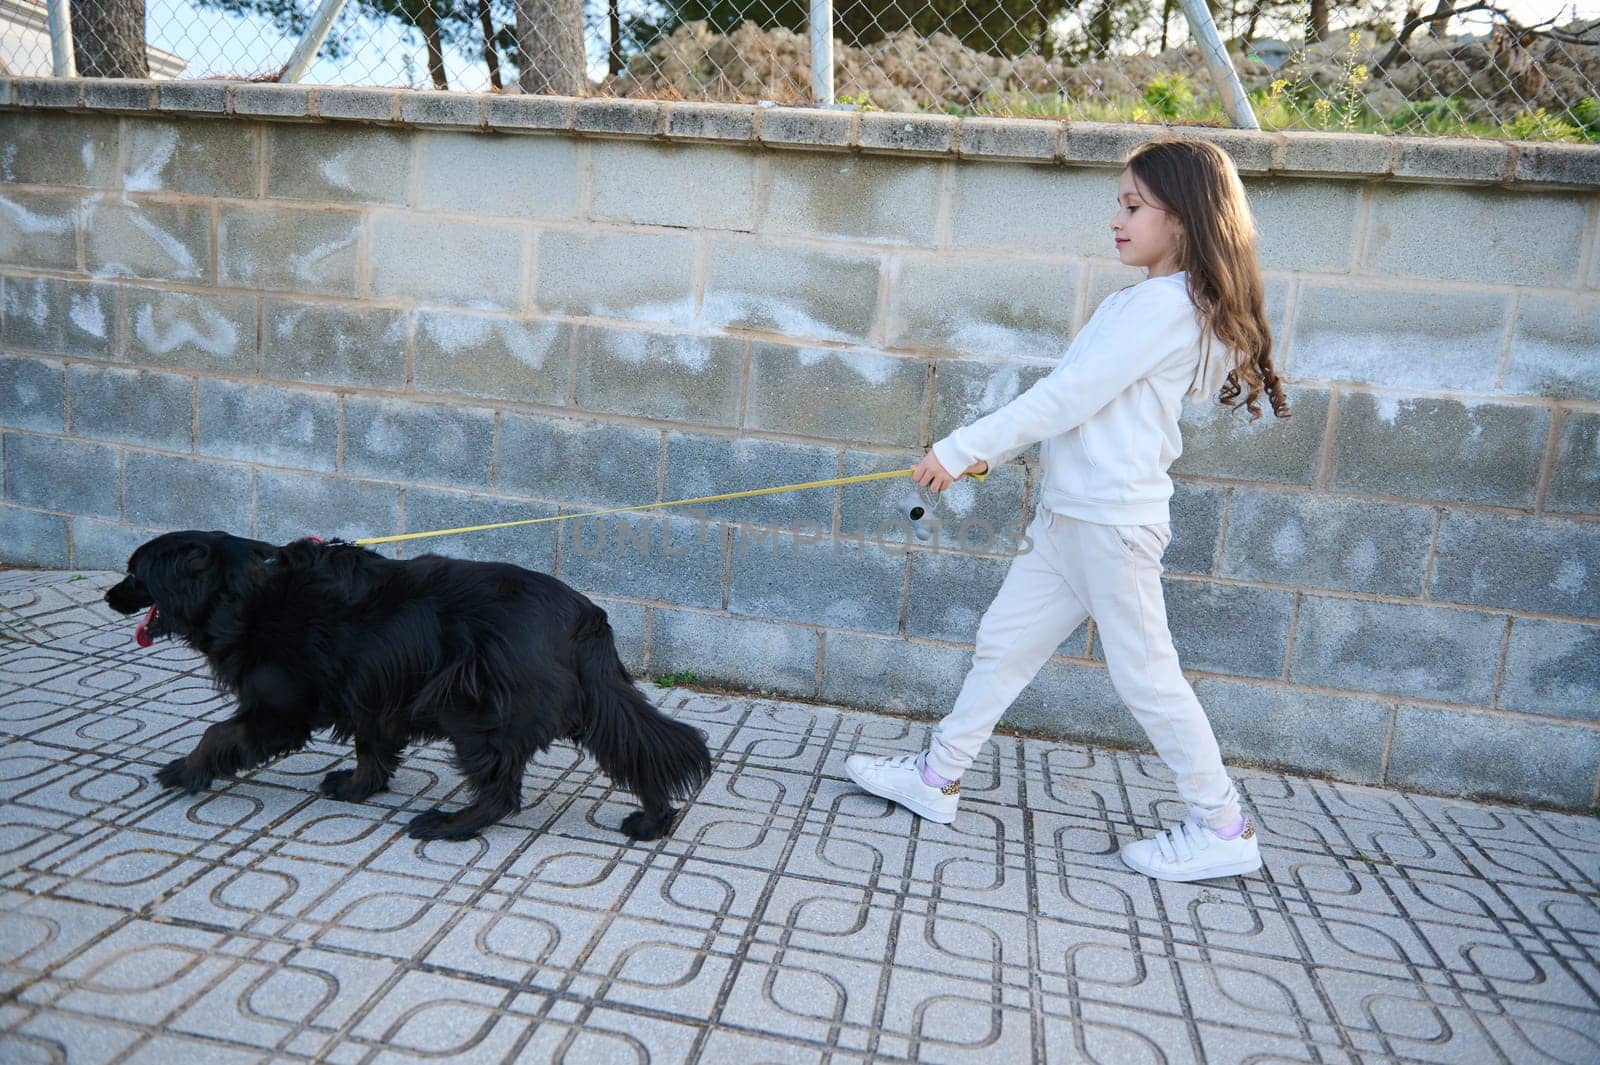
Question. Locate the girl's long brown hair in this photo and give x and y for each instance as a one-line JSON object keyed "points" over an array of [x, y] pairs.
{"points": [[1197, 182]]}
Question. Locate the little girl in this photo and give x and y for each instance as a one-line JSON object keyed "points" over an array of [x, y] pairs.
{"points": [[1108, 416]]}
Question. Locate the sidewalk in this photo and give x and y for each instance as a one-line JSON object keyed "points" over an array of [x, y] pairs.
{"points": [[790, 918]]}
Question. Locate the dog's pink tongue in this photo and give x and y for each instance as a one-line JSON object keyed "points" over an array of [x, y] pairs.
{"points": [[141, 635]]}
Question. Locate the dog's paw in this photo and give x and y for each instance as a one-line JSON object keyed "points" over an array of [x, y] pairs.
{"points": [[642, 825], [177, 774], [341, 784], [436, 824]]}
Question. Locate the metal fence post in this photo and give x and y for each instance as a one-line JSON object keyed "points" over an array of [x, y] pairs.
{"points": [[63, 57], [822, 52], [316, 33], [1223, 75]]}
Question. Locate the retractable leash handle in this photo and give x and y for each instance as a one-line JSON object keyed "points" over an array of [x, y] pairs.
{"points": [[931, 498], [930, 505]]}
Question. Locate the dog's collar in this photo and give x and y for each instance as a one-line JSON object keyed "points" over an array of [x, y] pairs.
{"points": [[319, 541]]}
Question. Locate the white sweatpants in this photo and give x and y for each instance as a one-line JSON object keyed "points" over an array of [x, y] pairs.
{"points": [[1077, 569]]}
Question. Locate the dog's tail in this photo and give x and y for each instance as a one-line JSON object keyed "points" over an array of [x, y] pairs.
{"points": [[644, 750]]}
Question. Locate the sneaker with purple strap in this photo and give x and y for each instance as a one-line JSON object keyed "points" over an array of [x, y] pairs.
{"points": [[1193, 850], [907, 780]]}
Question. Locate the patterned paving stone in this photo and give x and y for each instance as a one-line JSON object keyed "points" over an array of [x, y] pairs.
{"points": [[790, 918]]}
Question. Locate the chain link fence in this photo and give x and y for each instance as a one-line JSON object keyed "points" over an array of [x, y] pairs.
{"points": [[1529, 70]]}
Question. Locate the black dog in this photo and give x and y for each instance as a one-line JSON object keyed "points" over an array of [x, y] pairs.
{"points": [[499, 660]]}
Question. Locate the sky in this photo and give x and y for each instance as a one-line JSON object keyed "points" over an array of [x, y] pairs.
{"points": [[219, 44]]}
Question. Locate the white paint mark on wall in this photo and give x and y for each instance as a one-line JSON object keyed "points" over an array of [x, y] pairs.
{"points": [[284, 328], [764, 311], [385, 436], [303, 429], [85, 312], [304, 266], [691, 353], [395, 331], [1570, 576], [36, 310], [995, 391], [336, 169], [1362, 560], [455, 333], [874, 369], [1388, 407], [103, 217], [1473, 417], [971, 336], [661, 312], [468, 334], [35, 222], [159, 144], [170, 245], [1289, 544], [185, 323]]}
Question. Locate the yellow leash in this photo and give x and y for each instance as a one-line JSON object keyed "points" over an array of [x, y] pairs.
{"points": [[366, 541]]}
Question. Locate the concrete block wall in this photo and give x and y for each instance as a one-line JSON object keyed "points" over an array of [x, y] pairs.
{"points": [[285, 310]]}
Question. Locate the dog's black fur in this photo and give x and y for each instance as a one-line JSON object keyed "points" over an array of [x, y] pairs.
{"points": [[499, 660]]}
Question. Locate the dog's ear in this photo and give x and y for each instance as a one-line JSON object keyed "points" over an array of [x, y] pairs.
{"points": [[142, 556], [197, 557]]}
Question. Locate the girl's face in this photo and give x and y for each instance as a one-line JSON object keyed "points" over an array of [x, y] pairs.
{"points": [[1146, 233]]}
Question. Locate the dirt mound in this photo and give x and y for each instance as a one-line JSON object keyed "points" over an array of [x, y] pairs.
{"points": [[1494, 77], [902, 72]]}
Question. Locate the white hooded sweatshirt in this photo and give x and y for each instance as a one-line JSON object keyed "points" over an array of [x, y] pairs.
{"points": [[1108, 413]]}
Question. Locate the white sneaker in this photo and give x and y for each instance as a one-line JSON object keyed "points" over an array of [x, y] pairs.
{"points": [[1190, 850], [897, 778]]}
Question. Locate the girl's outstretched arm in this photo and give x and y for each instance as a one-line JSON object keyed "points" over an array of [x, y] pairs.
{"points": [[1154, 324]]}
